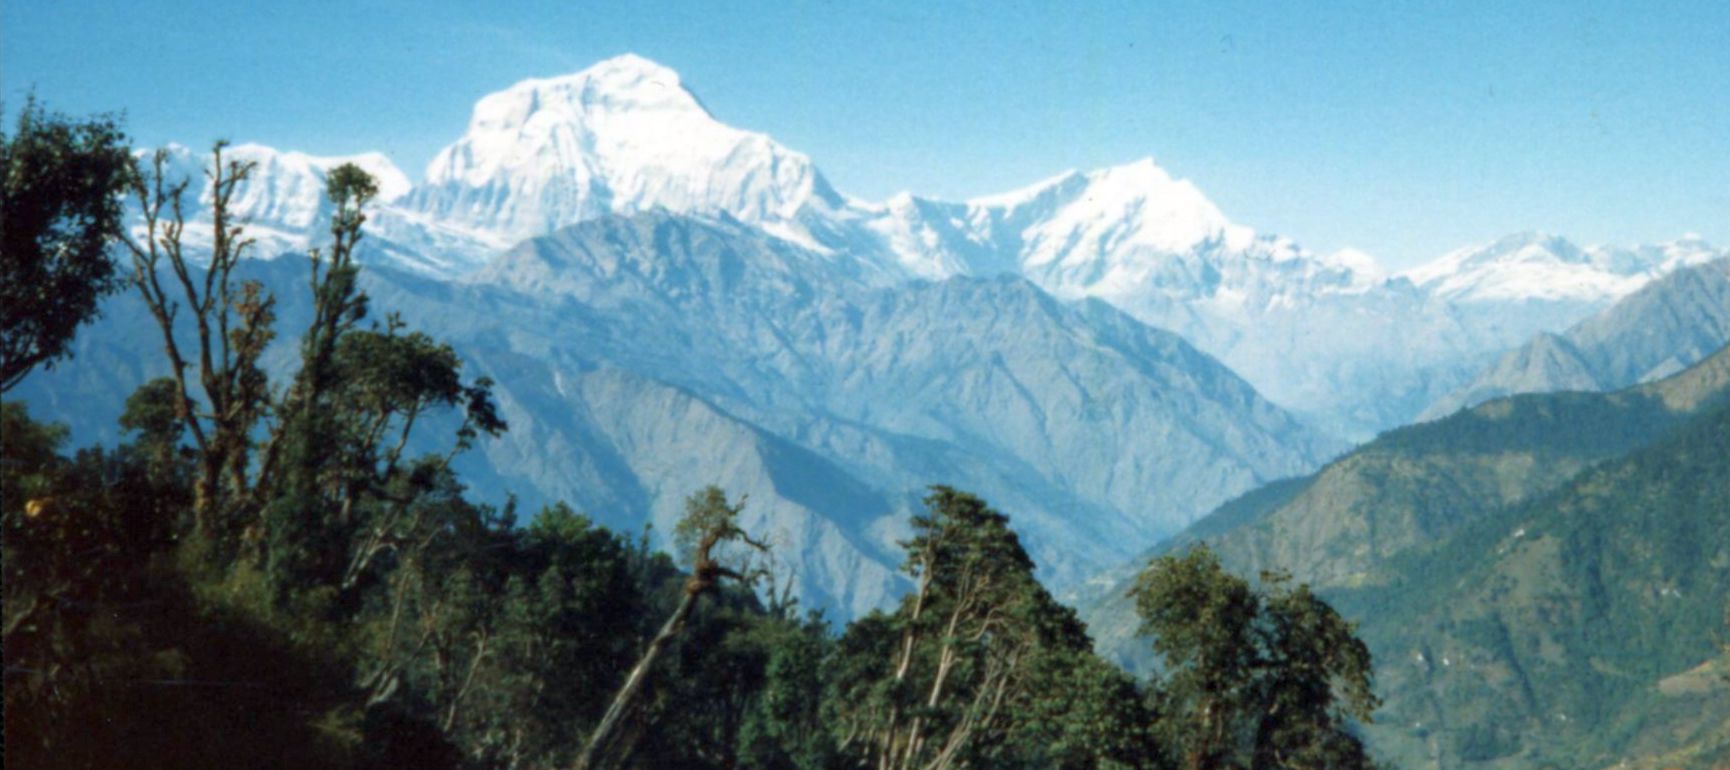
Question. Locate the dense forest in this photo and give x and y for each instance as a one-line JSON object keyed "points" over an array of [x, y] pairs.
{"points": [[263, 575]]}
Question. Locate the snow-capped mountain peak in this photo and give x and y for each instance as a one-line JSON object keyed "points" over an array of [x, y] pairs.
{"points": [[1525, 247], [1136, 229], [282, 201], [627, 137], [1135, 204], [1121, 209], [306, 173], [1542, 267], [620, 137], [1528, 265], [622, 83]]}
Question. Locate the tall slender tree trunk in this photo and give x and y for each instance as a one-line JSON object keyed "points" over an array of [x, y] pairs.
{"points": [[594, 749]]}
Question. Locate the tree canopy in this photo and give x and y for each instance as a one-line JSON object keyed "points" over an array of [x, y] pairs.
{"points": [[1255, 677], [60, 185]]}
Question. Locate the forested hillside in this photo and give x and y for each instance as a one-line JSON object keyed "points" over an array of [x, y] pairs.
{"points": [[1537, 577], [1579, 629]]}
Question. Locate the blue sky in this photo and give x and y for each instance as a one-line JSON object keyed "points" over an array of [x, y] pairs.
{"points": [[1401, 128]]}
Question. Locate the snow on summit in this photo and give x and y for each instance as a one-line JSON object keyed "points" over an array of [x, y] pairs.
{"points": [[1539, 266], [1324, 334], [620, 137], [1138, 204], [282, 201], [626, 136]]}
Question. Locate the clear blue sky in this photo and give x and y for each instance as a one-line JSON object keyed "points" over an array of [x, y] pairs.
{"points": [[1404, 129]]}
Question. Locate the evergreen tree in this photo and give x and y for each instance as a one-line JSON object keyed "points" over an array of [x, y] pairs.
{"points": [[784, 729]]}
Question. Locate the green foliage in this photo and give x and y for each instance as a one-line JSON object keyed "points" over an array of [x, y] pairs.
{"points": [[955, 676], [492, 645], [115, 657], [566, 609], [1255, 678], [1547, 422], [1083, 712], [60, 182], [710, 526], [349, 189], [783, 729], [390, 376], [151, 414], [1574, 604]]}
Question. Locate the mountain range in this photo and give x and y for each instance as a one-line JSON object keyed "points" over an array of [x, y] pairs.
{"points": [[638, 358], [1664, 327], [1330, 336], [667, 301]]}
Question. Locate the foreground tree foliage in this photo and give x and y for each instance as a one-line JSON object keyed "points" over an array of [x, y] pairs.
{"points": [[288, 573], [1255, 678], [60, 186], [977, 655], [710, 524]]}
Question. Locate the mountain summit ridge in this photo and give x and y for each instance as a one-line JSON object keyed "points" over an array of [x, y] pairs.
{"points": [[620, 137], [1335, 337]]}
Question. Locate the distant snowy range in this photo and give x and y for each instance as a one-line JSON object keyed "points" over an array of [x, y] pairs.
{"points": [[665, 302]]}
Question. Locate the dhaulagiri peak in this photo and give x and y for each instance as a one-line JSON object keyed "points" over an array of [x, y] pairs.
{"points": [[667, 120], [620, 137], [623, 82], [626, 135]]}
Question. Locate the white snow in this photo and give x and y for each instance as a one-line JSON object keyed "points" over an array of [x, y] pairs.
{"points": [[620, 137], [282, 201], [1325, 334], [1537, 266]]}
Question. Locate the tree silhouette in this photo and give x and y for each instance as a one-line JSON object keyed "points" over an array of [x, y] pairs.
{"points": [[60, 182]]}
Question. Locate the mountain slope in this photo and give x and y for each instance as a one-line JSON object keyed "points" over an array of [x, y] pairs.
{"points": [[1418, 486], [639, 358], [1408, 529], [1658, 330], [1571, 630], [1096, 429]]}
